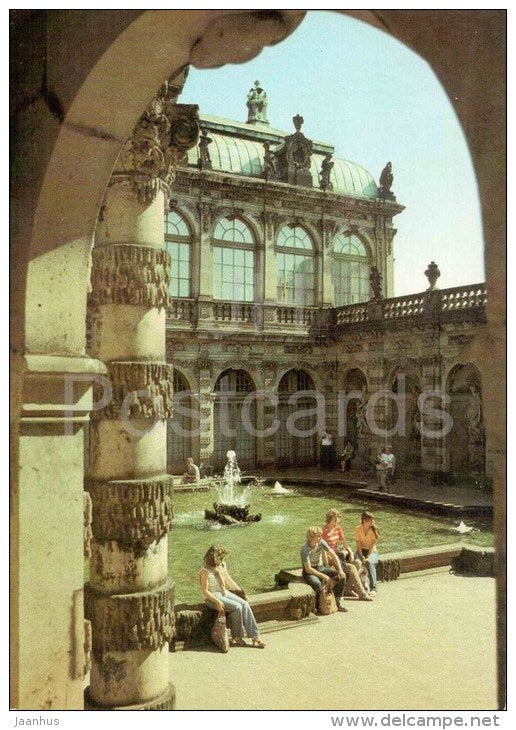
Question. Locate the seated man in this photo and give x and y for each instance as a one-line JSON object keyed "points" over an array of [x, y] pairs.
{"points": [[332, 533], [192, 473], [315, 572]]}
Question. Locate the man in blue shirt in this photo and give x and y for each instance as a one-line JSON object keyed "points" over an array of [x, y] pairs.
{"points": [[315, 572]]}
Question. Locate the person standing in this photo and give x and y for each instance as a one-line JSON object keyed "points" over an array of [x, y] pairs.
{"points": [[327, 451], [389, 460]]}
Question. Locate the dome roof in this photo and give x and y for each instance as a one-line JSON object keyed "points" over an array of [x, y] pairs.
{"points": [[243, 155]]}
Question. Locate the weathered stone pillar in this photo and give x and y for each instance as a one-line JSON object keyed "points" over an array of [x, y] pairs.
{"points": [[434, 456], [267, 418], [129, 599], [205, 412]]}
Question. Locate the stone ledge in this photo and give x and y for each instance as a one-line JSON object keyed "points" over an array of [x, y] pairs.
{"points": [[408, 561]]}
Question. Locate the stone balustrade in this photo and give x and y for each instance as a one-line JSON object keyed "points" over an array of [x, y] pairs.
{"points": [[446, 305]]}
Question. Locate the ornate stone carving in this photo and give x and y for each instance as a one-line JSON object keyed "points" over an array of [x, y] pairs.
{"points": [[128, 622], [294, 156], [257, 105], [386, 180], [432, 273], [270, 163], [132, 378], [325, 174], [376, 283], [204, 152], [205, 441], [298, 349], [134, 512], [123, 274], [474, 416], [328, 229], [362, 427], [159, 142], [87, 514]]}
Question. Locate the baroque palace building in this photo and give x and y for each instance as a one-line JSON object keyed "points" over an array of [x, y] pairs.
{"points": [[282, 284]]}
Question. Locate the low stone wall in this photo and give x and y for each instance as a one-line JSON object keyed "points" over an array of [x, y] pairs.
{"points": [[194, 622], [392, 565], [295, 600]]}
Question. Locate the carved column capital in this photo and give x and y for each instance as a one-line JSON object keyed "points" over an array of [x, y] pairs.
{"points": [[163, 135]]}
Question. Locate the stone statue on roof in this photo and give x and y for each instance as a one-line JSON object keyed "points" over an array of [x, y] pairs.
{"points": [[386, 180], [326, 168], [375, 279], [204, 153], [257, 105]]}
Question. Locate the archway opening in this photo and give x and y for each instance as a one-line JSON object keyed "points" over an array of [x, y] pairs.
{"points": [[296, 441], [234, 418]]}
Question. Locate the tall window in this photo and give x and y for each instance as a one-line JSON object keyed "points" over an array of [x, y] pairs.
{"points": [[350, 270], [178, 243], [295, 261], [233, 261]]}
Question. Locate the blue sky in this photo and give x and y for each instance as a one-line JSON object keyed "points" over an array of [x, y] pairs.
{"points": [[374, 100]]}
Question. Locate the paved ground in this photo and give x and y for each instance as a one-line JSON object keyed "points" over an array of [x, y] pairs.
{"points": [[427, 642]]}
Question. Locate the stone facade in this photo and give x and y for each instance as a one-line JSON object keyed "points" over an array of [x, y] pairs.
{"points": [[421, 337]]}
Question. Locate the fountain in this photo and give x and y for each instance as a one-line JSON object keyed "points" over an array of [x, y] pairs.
{"points": [[231, 509]]}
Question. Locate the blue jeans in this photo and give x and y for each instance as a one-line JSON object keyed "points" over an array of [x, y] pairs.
{"points": [[316, 583], [373, 560], [240, 615]]}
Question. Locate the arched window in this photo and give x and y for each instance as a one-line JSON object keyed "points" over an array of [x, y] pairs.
{"points": [[295, 260], [233, 261], [350, 270], [178, 243], [234, 419]]}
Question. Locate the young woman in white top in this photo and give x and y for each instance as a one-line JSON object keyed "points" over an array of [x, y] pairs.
{"points": [[216, 583]]}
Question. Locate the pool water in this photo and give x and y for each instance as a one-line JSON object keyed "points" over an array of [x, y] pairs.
{"points": [[257, 551]]}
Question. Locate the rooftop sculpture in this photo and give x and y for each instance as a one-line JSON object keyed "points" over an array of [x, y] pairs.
{"points": [[257, 105]]}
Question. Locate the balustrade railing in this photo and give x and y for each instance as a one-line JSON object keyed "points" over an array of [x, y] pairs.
{"points": [[434, 305]]}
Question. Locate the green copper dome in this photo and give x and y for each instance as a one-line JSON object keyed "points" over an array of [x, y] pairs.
{"points": [[238, 148]]}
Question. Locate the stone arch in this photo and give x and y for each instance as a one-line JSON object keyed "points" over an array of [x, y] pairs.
{"points": [[466, 443], [296, 437], [59, 224]]}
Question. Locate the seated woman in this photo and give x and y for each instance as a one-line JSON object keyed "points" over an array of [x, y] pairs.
{"points": [[367, 535], [215, 583], [192, 473], [315, 572], [332, 533]]}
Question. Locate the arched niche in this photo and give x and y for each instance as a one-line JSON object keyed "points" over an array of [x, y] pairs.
{"points": [[466, 442]]}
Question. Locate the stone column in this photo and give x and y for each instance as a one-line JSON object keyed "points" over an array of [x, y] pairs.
{"points": [[205, 412], [129, 599]]}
